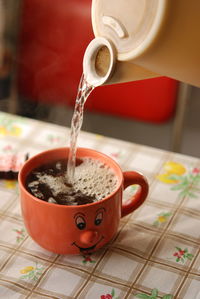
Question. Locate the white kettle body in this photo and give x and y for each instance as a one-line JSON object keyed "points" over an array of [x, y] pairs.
{"points": [[138, 39]]}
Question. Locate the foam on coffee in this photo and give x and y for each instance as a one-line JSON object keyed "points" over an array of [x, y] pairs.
{"points": [[93, 181], [57, 185], [93, 178]]}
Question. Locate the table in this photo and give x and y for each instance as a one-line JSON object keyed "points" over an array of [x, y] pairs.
{"points": [[156, 253]]}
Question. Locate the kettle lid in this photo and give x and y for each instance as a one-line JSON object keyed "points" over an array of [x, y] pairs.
{"points": [[131, 25]]}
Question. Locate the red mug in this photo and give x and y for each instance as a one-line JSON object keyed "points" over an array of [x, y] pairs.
{"points": [[79, 229]]}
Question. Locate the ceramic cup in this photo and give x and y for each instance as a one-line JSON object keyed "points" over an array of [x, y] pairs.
{"points": [[57, 227]]}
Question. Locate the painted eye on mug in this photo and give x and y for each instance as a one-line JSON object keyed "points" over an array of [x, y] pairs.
{"points": [[80, 222], [98, 219]]}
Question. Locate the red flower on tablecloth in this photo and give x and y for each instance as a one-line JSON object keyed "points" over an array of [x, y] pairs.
{"points": [[88, 259], [196, 170], [182, 255], [53, 138], [116, 155], [7, 148], [109, 296], [20, 234]]}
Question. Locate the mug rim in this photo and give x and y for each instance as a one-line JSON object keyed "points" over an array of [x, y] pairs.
{"points": [[59, 206]]}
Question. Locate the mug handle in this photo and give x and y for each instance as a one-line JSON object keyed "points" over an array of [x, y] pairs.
{"points": [[131, 204]]}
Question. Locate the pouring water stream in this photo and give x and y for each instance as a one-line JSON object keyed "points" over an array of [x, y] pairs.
{"points": [[84, 91]]}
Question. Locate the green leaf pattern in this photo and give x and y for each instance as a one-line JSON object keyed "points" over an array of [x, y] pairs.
{"points": [[32, 273], [161, 218], [154, 295], [187, 183]]}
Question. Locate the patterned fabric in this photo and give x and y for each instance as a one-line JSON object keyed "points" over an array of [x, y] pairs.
{"points": [[156, 252]]}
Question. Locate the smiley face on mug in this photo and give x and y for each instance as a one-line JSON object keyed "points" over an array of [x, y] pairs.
{"points": [[89, 230]]}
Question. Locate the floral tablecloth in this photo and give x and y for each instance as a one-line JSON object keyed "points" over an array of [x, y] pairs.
{"points": [[156, 253]]}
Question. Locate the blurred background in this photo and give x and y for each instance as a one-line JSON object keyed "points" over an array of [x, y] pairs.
{"points": [[42, 44]]}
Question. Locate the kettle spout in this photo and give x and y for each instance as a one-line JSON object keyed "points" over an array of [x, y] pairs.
{"points": [[99, 61], [100, 65]]}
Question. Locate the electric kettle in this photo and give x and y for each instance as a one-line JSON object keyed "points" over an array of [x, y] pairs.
{"points": [[139, 39]]}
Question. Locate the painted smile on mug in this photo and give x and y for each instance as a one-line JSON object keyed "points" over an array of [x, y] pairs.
{"points": [[88, 249], [89, 236]]}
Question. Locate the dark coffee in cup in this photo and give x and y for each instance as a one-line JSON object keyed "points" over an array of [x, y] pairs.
{"points": [[93, 181]]}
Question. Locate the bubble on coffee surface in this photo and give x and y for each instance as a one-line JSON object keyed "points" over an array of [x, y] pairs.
{"points": [[93, 178], [93, 181]]}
